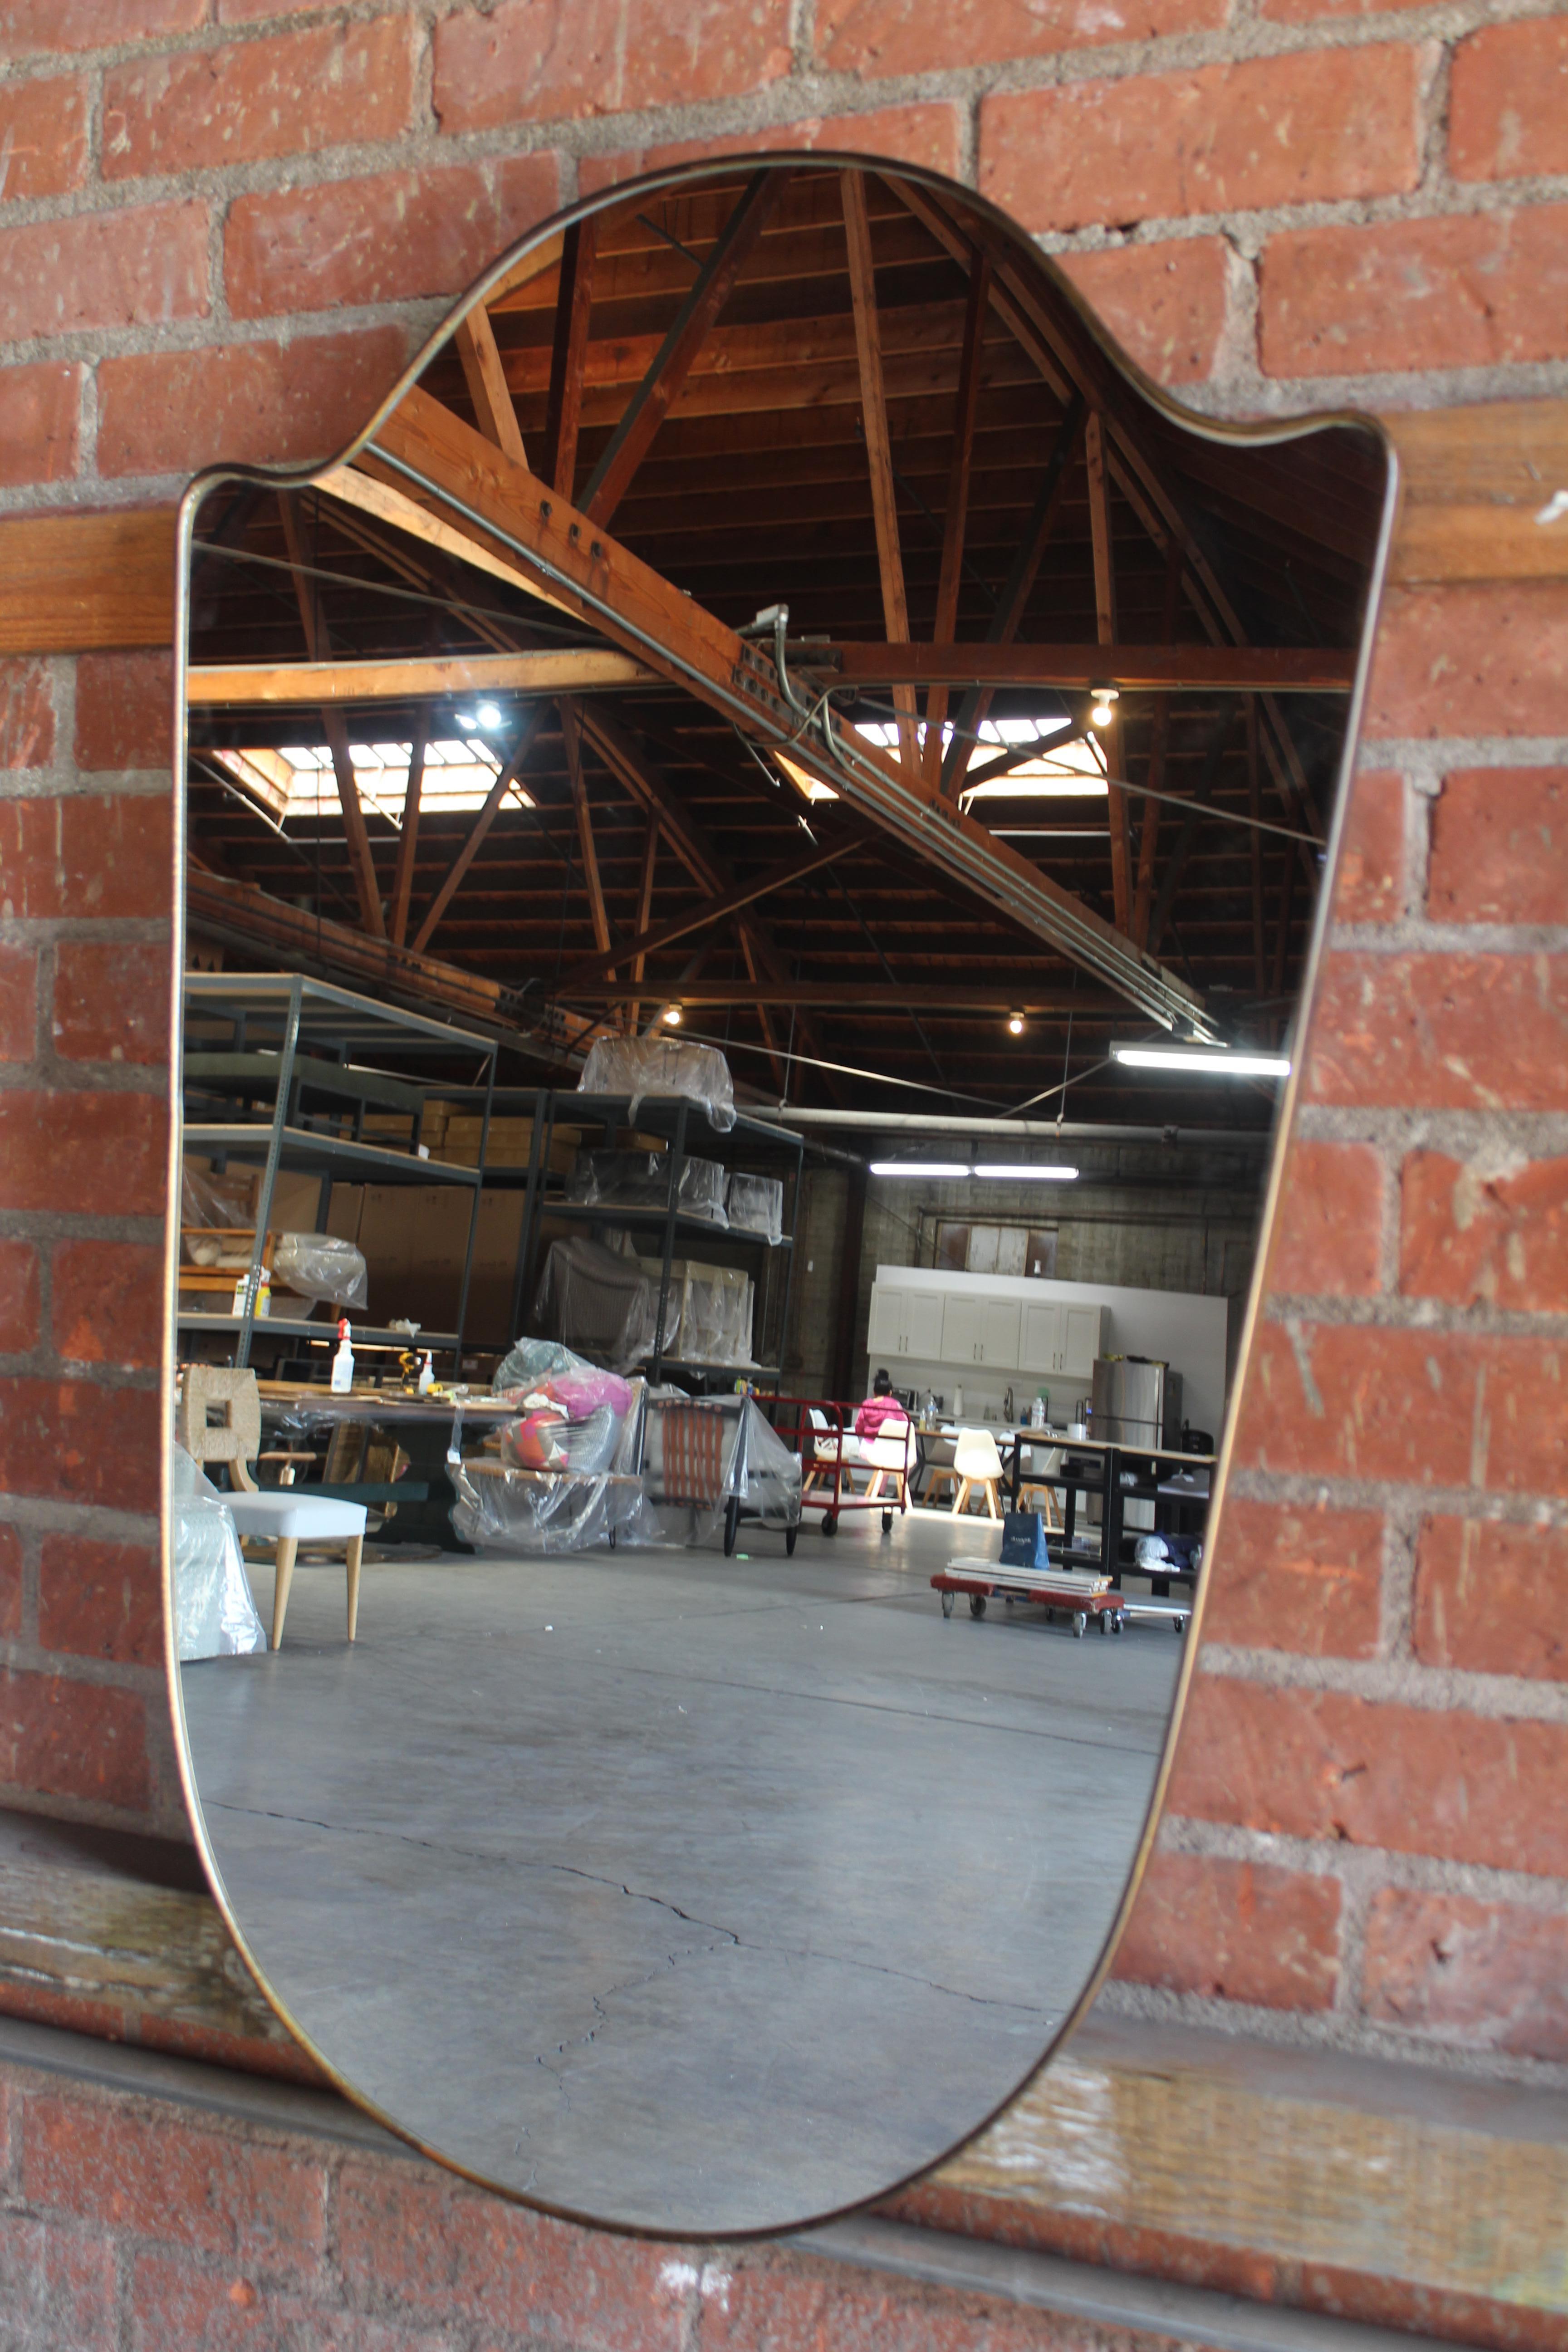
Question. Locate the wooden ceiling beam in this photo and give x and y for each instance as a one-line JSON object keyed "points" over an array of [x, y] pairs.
{"points": [[572, 737], [878, 447], [452, 879], [710, 910], [486, 379], [677, 355], [854, 995], [955, 510], [1076, 669], [568, 355], [1105, 631], [367, 888], [420, 677], [408, 838]]}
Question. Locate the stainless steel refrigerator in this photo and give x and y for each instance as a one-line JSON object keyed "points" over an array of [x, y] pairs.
{"points": [[1137, 1403]]}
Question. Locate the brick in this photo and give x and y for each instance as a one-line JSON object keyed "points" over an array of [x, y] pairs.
{"points": [[1508, 101], [901, 36], [124, 712], [1165, 304], [72, 1441], [85, 855], [1487, 1598], [138, 266], [1319, 1764], [41, 414], [530, 61], [1498, 839], [111, 1003], [64, 1739], [174, 2300], [1420, 1408], [926, 134], [18, 1005], [1479, 1234], [1482, 290], [1370, 884], [1328, 1236], [57, 2286], [26, 716], [1303, 128], [1287, 1578], [246, 404], [1439, 1032], [11, 1574], [56, 27], [101, 1601], [1452, 660], [301, 90], [43, 137], [1485, 1976], [107, 1303], [20, 1293], [160, 2176], [1234, 1931], [85, 1154], [392, 238]]}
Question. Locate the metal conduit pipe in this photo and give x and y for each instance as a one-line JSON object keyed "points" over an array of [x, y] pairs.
{"points": [[920, 1122]]}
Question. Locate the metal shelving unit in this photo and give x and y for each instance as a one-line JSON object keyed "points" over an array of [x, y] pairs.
{"points": [[280, 1039], [751, 1145]]}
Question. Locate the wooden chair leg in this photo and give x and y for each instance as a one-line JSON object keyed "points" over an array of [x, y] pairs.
{"points": [[961, 1500], [990, 1486], [355, 1556], [286, 1547]]}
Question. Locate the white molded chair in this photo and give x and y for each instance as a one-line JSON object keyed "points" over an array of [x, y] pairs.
{"points": [[978, 1463], [286, 1517]]}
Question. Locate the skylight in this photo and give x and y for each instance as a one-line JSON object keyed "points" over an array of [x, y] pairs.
{"points": [[299, 781]]}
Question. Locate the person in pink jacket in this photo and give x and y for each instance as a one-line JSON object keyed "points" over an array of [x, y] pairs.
{"points": [[879, 1407]]}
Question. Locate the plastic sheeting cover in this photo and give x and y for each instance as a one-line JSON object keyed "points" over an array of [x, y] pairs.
{"points": [[214, 1616], [700, 1452], [595, 1302], [564, 1483], [754, 1204], [323, 1267], [709, 1312], [640, 1179], [661, 1065], [531, 1361]]}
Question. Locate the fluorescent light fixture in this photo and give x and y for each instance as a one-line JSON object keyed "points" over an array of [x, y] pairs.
{"points": [[1007, 1171], [1218, 1058], [919, 1168]]}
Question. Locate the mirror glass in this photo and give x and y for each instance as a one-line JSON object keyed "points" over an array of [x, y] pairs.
{"points": [[753, 853]]}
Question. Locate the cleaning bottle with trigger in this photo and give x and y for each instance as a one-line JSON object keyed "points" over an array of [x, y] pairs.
{"points": [[344, 1361], [426, 1380]]}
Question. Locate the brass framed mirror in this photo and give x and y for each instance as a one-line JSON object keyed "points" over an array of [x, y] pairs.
{"points": [[774, 732]]}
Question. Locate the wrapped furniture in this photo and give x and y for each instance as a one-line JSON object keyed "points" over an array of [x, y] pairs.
{"points": [[596, 1302], [710, 1463], [640, 1179], [565, 1475], [637, 1066], [754, 1204], [708, 1313]]}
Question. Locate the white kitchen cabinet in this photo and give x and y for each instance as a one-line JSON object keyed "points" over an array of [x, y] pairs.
{"points": [[977, 1330], [961, 1327], [999, 1333], [1046, 1337], [1042, 1337], [905, 1323], [1081, 1340], [885, 1335], [924, 1324]]}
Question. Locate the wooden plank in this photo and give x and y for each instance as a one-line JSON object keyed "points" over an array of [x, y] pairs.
{"points": [[644, 915], [486, 379], [854, 998], [474, 840], [1499, 451], [87, 583], [386, 503], [696, 918], [672, 364], [572, 742], [361, 860], [408, 839], [1105, 628], [1433, 544], [879, 446], [955, 513], [568, 354], [1154, 778], [418, 677]]}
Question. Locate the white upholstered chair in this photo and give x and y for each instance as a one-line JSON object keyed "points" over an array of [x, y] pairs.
{"points": [[285, 1517]]}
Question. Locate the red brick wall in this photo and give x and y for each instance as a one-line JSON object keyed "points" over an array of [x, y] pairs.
{"points": [[1277, 207]]}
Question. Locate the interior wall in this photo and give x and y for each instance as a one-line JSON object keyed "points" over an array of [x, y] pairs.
{"points": [[1291, 206]]}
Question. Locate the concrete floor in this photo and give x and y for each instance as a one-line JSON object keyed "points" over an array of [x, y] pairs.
{"points": [[692, 1895]]}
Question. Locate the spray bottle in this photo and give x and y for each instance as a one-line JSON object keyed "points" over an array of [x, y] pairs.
{"points": [[344, 1361], [427, 1380]]}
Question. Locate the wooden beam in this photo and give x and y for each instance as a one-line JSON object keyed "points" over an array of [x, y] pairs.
{"points": [[446, 470], [879, 446], [956, 513], [1202, 796], [646, 411], [568, 355], [408, 839], [386, 502], [645, 914], [572, 740], [362, 861], [480, 826], [1132, 669], [852, 996], [1158, 738], [420, 677], [486, 378], [87, 583], [1010, 605], [1105, 630], [696, 918], [1254, 810]]}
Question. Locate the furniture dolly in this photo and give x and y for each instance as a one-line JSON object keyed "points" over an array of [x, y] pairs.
{"points": [[822, 1433]]}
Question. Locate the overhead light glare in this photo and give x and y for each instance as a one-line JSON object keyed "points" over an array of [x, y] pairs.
{"points": [[489, 714], [1006, 1171], [672, 1016], [1216, 1058], [1015, 1025], [919, 1168]]}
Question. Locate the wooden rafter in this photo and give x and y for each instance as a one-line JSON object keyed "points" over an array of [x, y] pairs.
{"points": [[1202, 797], [955, 515], [568, 353], [645, 912], [1254, 810], [852, 999], [1159, 741], [649, 404], [572, 742], [878, 447], [486, 379], [696, 918], [1105, 630], [1008, 615], [482, 822], [362, 862], [408, 839], [1164, 668], [574, 671]]}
